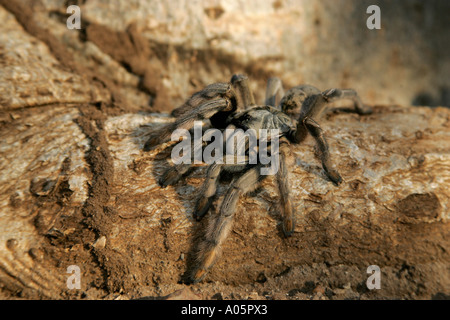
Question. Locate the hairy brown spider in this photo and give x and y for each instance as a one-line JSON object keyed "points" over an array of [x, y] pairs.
{"points": [[231, 105]]}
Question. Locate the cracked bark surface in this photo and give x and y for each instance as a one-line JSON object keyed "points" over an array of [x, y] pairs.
{"points": [[77, 189]]}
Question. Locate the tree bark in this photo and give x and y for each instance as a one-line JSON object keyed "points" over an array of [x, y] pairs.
{"points": [[76, 188]]}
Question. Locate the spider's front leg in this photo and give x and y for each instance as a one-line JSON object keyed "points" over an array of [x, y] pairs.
{"points": [[244, 95], [316, 131], [186, 121], [332, 95], [219, 226], [213, 91], [174, 174]]}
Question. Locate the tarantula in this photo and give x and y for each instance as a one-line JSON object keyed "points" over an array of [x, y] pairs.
{"points": [[232, 105]]}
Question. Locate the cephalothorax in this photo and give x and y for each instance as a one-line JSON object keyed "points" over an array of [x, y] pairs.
{"points": [[231, 105]]}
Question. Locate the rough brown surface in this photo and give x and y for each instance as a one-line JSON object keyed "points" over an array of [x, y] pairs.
{"points": [[77, 189]]}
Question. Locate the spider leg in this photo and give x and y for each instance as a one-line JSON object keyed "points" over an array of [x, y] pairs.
{"points": [[299, 134], [208, 190], [274, 89], [244, 95], [219, 226], [332, 95], [210, 92], [186, 121], [282, 178], [316, 131], [218, 90], [174, 174]]}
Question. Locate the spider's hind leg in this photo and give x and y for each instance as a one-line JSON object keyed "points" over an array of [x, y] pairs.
{"points": [[219, 226], [208, 191], [282, 178], [274, 92], [174, 174]]}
